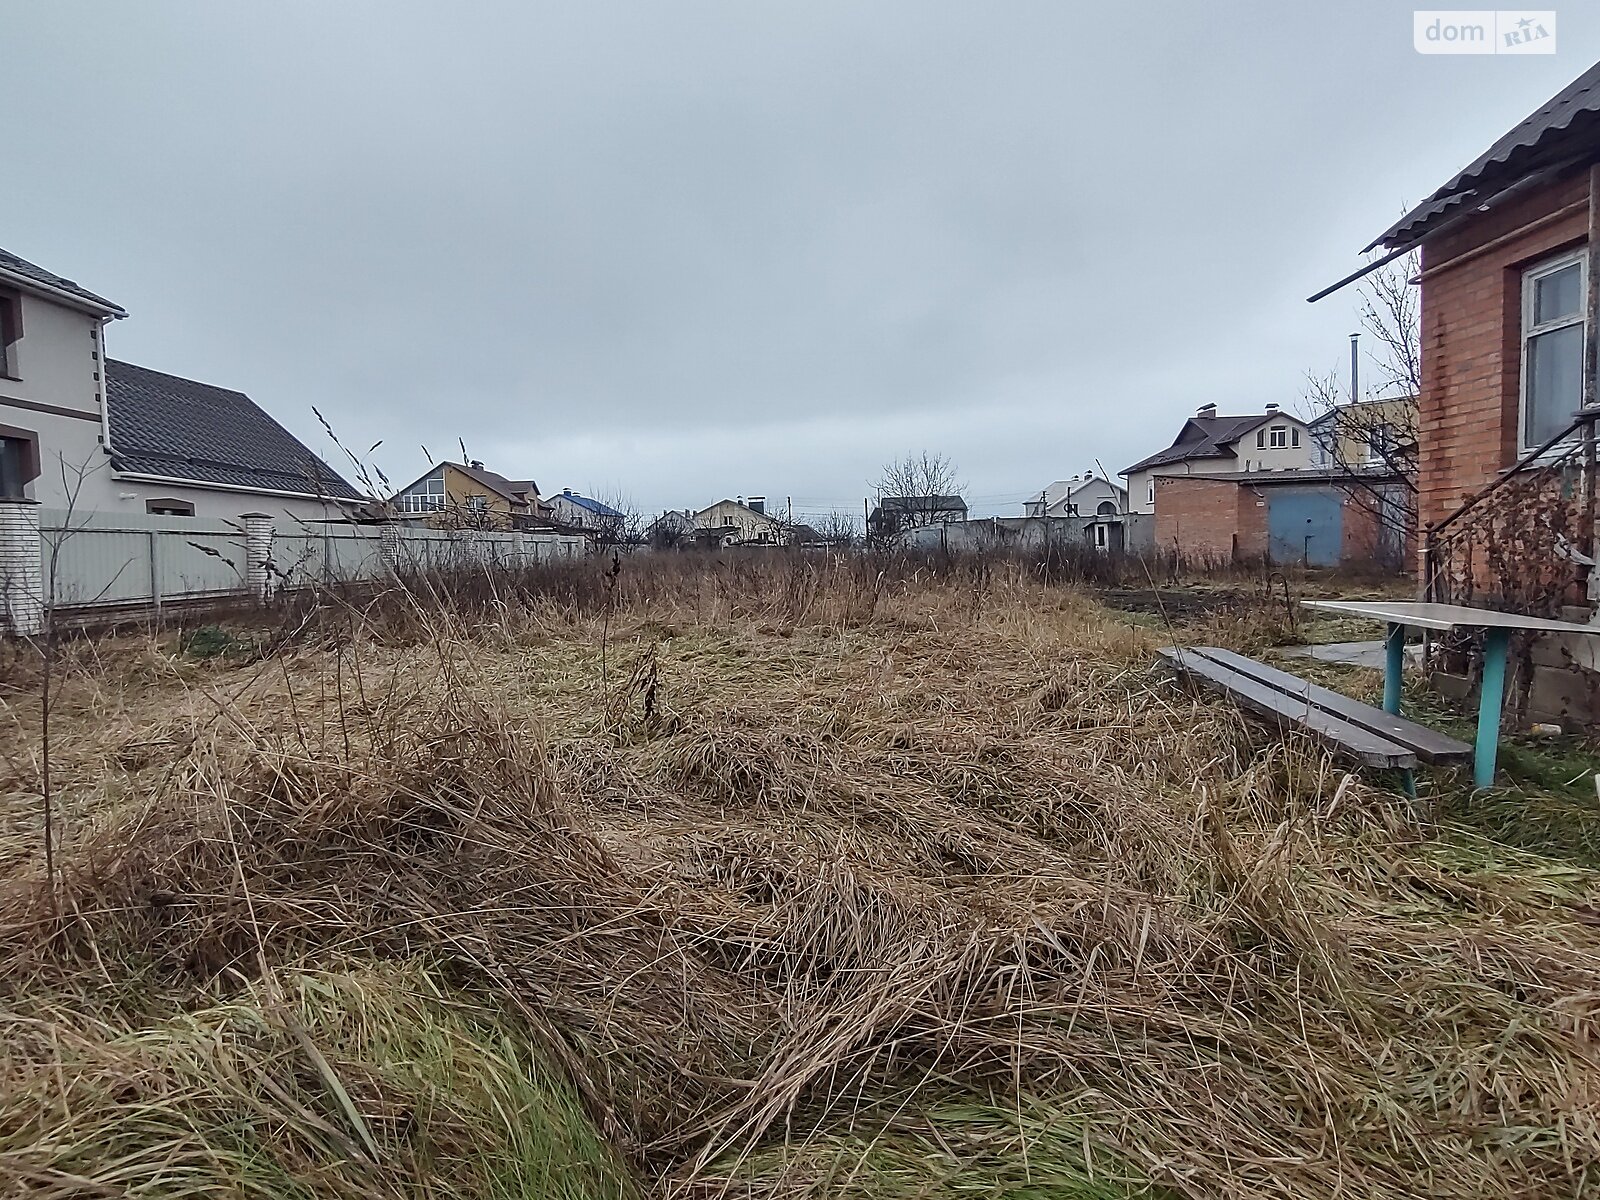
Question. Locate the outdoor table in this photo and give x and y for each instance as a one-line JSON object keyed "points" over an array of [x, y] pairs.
{"points": [[1497, 630]]}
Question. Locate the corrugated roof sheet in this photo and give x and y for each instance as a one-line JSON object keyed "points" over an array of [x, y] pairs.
{"points": [[177, 428], [27, 271], [1567, 124]]}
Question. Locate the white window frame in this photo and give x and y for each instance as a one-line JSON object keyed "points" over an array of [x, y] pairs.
{"points": [[1278, 436], [1152, 499], [1530, 277]]}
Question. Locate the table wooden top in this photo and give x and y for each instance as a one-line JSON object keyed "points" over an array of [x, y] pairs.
{"points": [[1422, 615]]}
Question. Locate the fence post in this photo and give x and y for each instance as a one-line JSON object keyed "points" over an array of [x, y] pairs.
{"points": [[389, 547], [21, 569], [155, 573], [257, 554]]}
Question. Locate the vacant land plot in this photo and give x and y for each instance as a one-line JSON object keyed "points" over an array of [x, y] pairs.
{"points": [[785, 880]]}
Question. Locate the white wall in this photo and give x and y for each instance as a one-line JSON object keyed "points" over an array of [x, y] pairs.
{"points": [[1248, 457], [1087, 496], [56, 357], [730, 512]]}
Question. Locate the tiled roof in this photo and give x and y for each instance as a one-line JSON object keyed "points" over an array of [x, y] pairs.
{"points": [[22, 269], [1201, 437], [176, 428], [513, 490], [1566, 125]]}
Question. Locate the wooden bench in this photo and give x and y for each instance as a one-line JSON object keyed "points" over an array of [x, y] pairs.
{"points": [[1347, 727]]}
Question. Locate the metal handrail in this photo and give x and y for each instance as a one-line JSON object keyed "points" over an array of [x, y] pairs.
{"points": [[1587, 416], [1432, 536]]}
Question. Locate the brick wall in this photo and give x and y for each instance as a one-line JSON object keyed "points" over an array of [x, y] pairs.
{"points": [[1472, 340], [1209, 518]]}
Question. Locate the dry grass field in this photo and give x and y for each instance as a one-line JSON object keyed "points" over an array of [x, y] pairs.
{"points": [[770, 879]]}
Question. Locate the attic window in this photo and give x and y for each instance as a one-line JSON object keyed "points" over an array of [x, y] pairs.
{"points": [[166, 507], [1261, 439], [1280, 437]]}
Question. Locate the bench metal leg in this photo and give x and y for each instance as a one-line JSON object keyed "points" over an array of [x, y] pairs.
{"points": [[1408, 782], [1496, 642], [1393, 667]]}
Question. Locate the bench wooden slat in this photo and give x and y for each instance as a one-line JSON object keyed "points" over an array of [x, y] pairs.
{"points": [[1429, 744], [1352, 741]]}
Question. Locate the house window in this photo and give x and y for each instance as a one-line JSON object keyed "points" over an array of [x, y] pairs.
{"points": [[1100, 537], [10, 333], [1280, 437], [1105, 509], [19, 461], [165, 507], [1377, 441], [13, 468], [1294, 437], [1552, 347], [1152, 497], [423, 497], [477, 504], [1261, 439]]}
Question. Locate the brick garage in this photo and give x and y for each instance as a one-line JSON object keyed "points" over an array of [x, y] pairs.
{"points": [[1203, 517], [1229, 517]]}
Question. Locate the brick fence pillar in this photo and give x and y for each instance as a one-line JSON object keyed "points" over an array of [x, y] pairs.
{"points": [[21, 572], [389, 547], [258, 554]]}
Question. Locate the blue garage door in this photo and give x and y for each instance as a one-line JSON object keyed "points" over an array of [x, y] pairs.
{"points": [[1304, 525]]}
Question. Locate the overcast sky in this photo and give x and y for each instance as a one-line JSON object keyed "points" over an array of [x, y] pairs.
{"points": [[684, 250]]}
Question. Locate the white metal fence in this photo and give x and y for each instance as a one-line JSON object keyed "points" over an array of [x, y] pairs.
{"points": [[95, 561]]}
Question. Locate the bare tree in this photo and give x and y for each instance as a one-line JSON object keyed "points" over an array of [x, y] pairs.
{"points": [[913, 492], [840, 530], [622, 525], [1371, 443]]}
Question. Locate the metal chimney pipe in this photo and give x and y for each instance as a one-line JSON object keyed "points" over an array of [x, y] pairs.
{"points": [[1355, 369]]}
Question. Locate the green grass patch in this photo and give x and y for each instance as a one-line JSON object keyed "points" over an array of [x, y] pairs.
{"points": [[328, 1085], [956, 1148]]}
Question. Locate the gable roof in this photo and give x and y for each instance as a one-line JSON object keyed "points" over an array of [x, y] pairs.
{"points": [[27, 275], [765, 516], [514, 491], [1564, 128], [922, 504], [1204, 437], [165, 425], [588, 503]]}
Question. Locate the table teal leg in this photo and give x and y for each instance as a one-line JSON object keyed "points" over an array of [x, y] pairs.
{"points": [[1495, 645], [1393, 667]]}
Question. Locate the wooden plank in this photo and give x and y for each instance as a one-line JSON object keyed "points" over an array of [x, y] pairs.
{"points": [[1430, 745], [1351, 741]]}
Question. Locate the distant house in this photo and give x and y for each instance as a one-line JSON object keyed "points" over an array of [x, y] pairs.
{"points": [[574, 511], [80, 430], [734, 522], [894, 515], [467, 495], [1092, 495], [1093, 504], [1209, 444], [672, 530], [1367, 434]]}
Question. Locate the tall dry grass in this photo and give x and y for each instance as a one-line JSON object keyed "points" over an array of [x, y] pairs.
{"points": [[831, 881]]}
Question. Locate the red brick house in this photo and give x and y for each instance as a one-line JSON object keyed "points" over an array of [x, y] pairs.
{"points": [[1510, 296]]}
